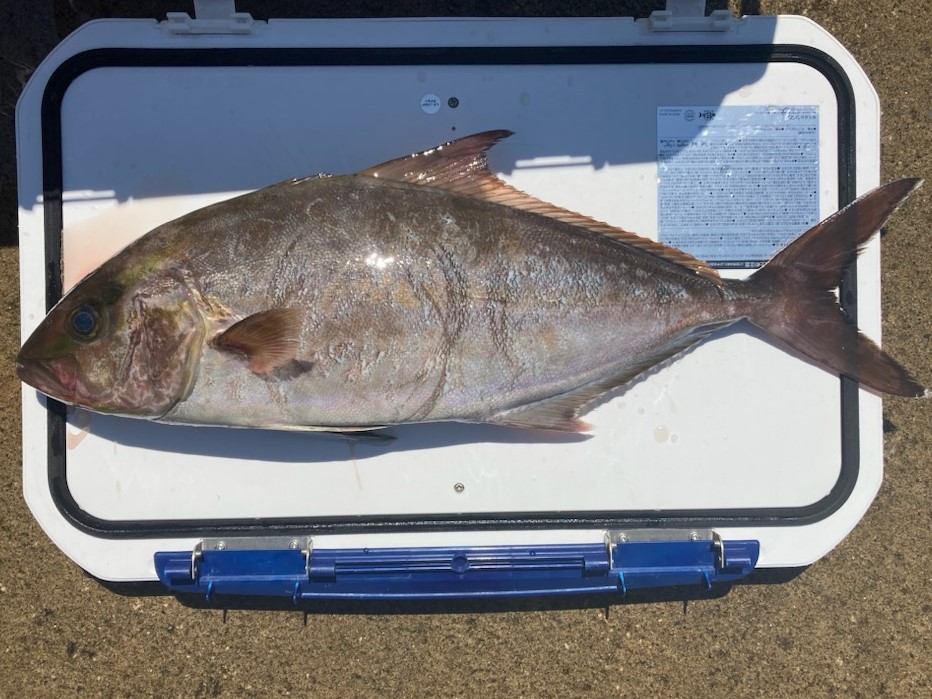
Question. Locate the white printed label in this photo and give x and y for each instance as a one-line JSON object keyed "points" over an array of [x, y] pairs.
{"points": [[736, 183], [430, 103]]}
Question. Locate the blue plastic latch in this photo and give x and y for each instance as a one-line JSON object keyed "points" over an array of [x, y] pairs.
{"points": [[293, 568]]}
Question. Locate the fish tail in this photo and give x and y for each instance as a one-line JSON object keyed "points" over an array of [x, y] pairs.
{"points": [[796, 302]]}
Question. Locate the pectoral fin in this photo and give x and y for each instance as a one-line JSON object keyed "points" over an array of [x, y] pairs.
{"points": [[268, 340]]}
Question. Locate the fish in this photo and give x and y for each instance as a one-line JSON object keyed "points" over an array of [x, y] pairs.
{"points": [[424, 289]]}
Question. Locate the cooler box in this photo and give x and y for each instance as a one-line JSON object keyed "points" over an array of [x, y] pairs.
{"points": [[726, 137]]}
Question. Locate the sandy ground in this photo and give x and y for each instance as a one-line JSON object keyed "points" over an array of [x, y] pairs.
{"points": [[858, 623]]}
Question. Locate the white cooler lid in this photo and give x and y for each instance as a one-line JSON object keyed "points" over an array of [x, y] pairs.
{"points": [[134, 124]]}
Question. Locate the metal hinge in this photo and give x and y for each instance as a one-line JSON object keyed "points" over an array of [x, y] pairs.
{"points": [[210, 17], [303, 544], [654, 557], [622, 536], [689, 16]]}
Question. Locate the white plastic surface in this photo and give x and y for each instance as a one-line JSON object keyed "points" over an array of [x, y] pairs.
{"points": [[735, 424]]}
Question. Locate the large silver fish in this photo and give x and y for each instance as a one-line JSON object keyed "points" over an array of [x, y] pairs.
{"points": [[422, 289]]}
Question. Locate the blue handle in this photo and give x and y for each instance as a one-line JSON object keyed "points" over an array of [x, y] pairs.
{"points": [[455, 572]]}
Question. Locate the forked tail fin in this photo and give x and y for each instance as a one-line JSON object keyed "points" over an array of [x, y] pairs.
{"points": [[803, 311]]}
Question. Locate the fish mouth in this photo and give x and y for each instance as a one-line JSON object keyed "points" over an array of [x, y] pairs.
{"points": [[56, 377]]}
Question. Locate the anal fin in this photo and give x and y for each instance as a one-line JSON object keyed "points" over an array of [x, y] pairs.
{"points": [[561, 412], [557, 414]]}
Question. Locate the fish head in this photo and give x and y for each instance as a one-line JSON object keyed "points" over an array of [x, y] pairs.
{"points": [[124, 340]]}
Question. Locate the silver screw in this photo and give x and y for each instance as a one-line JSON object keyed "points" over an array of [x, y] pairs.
{"points": [[459, 487], [294, 544], [220, 546], [694, 536], [622, 538]]}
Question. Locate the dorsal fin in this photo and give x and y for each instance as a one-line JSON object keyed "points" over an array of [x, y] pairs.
{"points": [[461, 166]]}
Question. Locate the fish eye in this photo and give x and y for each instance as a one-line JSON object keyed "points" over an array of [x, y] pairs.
{"points": [[84, 322]]}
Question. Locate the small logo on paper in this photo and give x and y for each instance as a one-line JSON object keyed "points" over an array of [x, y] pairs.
{"points": [[689, 115], [707, 114]]}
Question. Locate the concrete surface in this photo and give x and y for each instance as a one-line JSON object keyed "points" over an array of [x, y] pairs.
{"points": [[856, 624]]}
